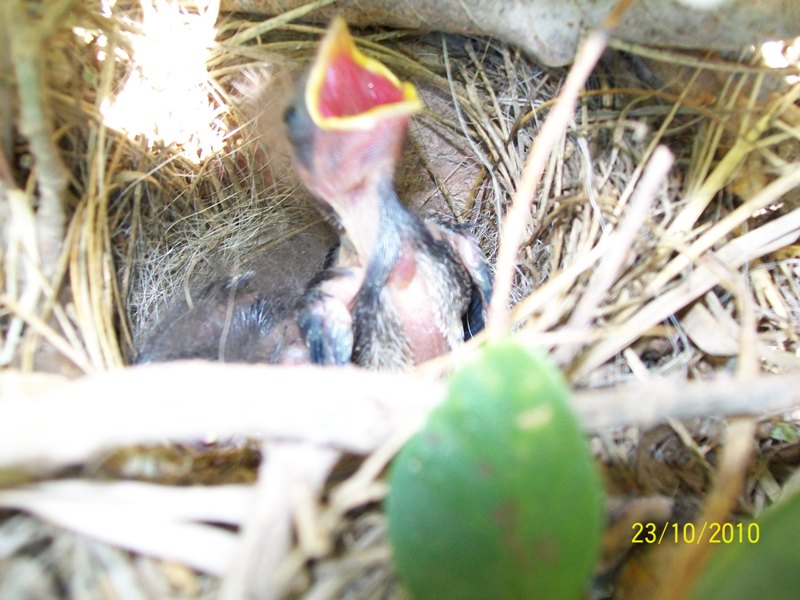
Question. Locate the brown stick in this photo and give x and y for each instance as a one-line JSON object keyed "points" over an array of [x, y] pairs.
{"points": [[346, 409]]}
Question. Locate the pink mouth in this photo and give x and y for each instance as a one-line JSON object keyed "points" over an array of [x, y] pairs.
{"points": [[349, 89]]}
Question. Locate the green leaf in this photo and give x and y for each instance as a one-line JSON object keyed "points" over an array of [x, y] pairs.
{"points": [[497, 496], [760, 560]]}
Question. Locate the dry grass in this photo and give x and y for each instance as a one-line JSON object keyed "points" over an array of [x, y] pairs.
{"points": [[661, 247]]}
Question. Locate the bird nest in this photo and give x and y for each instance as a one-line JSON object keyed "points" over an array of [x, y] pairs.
{"points": [[657, 265]]}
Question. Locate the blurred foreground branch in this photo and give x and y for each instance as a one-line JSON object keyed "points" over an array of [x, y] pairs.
{"points": [[56, 423]]}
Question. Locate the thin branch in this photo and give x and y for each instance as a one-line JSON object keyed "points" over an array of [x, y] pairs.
{"points": [[655, 401]]}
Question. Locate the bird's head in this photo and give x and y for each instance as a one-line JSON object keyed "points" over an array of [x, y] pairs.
{"points": [[348, 124]]}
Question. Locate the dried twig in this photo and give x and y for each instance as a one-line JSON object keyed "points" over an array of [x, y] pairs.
{"points": [[624, 236], [657, 400], [697, 202], [277, 21], [769, 195], [518, 216], [759, 242], [27, 40], [347, 409], [290, 473], [141, 518]]}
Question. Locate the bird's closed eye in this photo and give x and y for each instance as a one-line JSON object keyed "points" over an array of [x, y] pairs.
{"points": [[291, 115]]}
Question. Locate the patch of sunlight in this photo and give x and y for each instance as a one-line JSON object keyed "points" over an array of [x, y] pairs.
{"points": [[167, 96]]}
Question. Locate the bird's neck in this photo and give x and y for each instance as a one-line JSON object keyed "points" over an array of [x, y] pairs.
{"points": [[373, 219]]}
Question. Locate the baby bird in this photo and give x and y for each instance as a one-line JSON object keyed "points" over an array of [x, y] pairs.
{"points": [[399, 290], [228, 322], [240, 315]]}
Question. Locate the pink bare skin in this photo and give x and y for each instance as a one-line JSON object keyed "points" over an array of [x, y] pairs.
{"points": [[409, 286]]}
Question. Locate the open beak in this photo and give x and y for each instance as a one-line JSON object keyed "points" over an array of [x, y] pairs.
{"points": [[347, 90]]}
